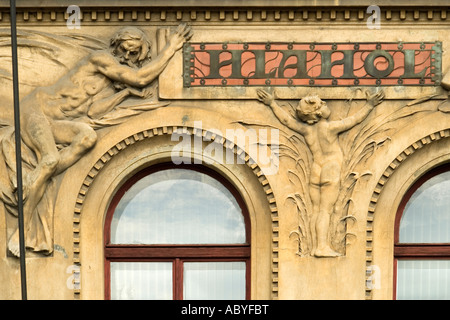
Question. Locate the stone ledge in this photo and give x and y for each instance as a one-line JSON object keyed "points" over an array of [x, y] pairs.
{"points": [[226, 3]]}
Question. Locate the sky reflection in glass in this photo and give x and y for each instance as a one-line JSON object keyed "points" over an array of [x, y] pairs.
{"points": [[178, 206], [423, 280], [214, 280], [141, 280], [426, 218]]}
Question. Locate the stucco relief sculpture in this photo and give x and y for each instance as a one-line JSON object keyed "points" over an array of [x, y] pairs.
{"points": [[321, 135], [59, 121], [328, 157], [444, 105], [445, 83]]}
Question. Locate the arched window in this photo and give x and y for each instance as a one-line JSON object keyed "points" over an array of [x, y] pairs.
{"points": [[177, 232], [422, 239]]}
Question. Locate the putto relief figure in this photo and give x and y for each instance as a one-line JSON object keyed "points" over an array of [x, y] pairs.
{"points": [[321, 136], [64, 113]]}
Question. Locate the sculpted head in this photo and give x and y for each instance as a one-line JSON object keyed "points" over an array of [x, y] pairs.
{"points": [[131, 47], [311, 109]]}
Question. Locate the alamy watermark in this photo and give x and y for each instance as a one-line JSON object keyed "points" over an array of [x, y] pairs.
{"points": [[373, 22], [373, 277], [74, 18], [255, 146], [73, 281]]}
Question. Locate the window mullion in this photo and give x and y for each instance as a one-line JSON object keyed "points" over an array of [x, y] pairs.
{"points": [[178, 279]]}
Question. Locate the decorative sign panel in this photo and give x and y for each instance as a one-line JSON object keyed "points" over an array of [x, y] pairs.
{"points": [[312, 64]]}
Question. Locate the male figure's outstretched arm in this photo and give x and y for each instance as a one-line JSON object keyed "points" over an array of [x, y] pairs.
{"points": [[111, 68]]}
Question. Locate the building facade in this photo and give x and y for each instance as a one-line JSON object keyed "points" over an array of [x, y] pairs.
{"points": [[183, 150]]}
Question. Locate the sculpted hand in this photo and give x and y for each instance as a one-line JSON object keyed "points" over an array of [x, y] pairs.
{"points": [[265, 97], [181, 35], [144, 93], [375, 99]]}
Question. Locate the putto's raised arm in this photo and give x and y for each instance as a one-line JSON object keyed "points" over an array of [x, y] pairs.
{"points": [[284, 117], [372, 101]]}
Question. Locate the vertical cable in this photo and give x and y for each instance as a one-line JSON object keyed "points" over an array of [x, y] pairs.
{"points": [[18, 148]]}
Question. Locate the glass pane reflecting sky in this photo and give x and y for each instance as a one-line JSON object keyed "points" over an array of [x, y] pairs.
{"points": [[178, 206], [423, 280], [426, 218], [214, 281], [141, 280]]}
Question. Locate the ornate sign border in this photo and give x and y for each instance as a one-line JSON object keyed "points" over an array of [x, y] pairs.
{"points": [[312, 64]]}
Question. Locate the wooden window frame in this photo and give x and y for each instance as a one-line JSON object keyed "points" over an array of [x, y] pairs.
{"points": [[177, 254], [417, 251]]}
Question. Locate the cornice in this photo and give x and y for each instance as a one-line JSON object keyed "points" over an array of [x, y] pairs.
{"points": [[224, 15], [224, 3]]}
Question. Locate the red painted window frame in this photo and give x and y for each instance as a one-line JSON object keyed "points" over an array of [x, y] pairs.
{"points": [[177, 254], [415, 251]]}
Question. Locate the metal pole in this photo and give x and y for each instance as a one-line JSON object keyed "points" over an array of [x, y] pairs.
{"points": [[18, 148]]}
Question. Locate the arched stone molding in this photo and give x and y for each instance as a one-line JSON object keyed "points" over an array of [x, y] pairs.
{"points": [[409, 165], [154, 136]]}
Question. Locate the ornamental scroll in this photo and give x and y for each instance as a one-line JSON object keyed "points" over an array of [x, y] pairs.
{"points": [[312, 64]]}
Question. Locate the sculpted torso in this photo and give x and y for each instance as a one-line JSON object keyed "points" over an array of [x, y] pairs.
{"points": [[72, 95], [323, 145]]}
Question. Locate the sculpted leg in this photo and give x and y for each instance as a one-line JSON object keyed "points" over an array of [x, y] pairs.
{"points": [[330, 183], [80, 137], [38, 136], [314, 192], [42, 135]]}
